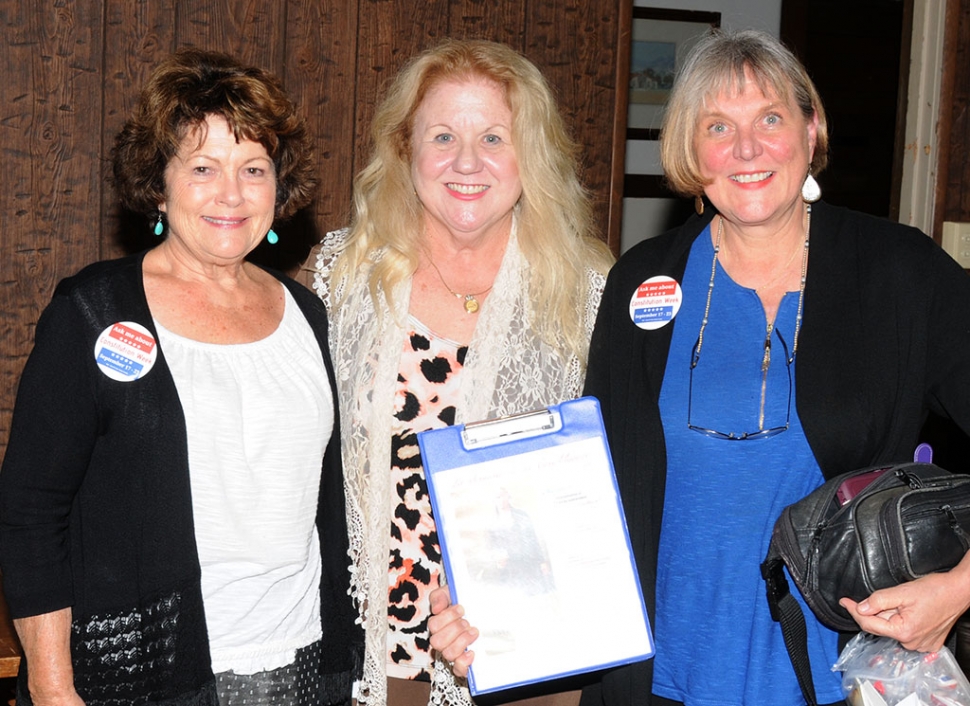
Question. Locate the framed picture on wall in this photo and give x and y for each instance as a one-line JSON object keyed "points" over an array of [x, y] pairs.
{"points": [[659, 42]]}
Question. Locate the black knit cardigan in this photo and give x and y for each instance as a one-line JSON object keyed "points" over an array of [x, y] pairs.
{"points": [[96, 511], [885, 339]]}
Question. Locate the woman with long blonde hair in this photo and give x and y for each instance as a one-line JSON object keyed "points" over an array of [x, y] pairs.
{"points": [[466, 288]]}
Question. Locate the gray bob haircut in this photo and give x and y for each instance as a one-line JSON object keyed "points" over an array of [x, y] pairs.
{"points": [[718, 62]]}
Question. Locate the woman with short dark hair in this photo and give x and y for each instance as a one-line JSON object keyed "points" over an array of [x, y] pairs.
{"points": [[172, 526]]}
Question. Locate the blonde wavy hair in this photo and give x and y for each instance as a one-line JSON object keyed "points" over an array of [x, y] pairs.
{"points": [[718, 62], [554, 221]]}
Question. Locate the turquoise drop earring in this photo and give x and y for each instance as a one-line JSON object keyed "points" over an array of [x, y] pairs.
{"points": [[159, 226], [272, 237]]}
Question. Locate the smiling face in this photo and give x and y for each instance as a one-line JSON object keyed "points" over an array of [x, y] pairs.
{"points": [[755, 150], [220, 195], [464, 166]]}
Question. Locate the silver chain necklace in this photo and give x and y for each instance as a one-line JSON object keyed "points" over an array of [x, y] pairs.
{"points": [[766, 360]]}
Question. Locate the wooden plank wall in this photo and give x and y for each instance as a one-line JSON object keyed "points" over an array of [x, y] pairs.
{"points": [[72, 68], [954, 162]]}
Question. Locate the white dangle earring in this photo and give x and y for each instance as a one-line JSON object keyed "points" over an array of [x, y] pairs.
{"points": [[811, 191]]}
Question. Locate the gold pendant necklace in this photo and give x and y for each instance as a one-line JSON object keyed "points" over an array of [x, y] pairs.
{"points": [[471, 303]]}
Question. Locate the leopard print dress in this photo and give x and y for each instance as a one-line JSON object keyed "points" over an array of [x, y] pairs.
{"points": [[427, 390]]}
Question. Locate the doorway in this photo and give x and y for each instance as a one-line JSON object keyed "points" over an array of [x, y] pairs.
{"points": [[853, 52]]}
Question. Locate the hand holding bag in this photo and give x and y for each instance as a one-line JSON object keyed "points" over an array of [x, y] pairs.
{"points": [[859, 532]]}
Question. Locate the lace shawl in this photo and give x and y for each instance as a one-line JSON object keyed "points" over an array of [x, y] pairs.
{"points": [[508, 369]]}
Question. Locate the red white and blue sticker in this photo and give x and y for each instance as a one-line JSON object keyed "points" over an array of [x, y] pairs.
{"points": [[656, 302], [125, 351]]}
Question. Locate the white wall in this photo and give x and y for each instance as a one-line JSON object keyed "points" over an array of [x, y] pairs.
{"points": [[735, 14], [643, 218]]}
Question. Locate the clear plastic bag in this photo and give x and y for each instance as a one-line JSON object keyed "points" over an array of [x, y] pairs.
{"points": [[878, 671]]}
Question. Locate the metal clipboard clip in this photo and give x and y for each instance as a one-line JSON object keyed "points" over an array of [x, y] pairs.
{"points": [[514, 427]]}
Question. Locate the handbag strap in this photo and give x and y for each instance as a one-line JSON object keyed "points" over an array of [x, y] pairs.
{"points": [[787, 611]]}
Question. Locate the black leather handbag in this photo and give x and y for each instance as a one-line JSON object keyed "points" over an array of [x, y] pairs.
{"points": [[864, 530]]}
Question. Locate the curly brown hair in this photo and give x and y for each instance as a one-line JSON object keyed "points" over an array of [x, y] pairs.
{"points": [[181, 93]]}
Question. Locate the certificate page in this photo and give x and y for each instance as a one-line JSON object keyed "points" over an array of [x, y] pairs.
{"points": [[534, 543]]}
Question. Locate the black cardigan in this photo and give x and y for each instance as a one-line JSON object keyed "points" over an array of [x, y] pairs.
{"points": [[96, 511], [885, 339]]}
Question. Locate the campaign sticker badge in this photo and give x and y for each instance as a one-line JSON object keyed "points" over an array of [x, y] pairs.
{"points": [[656, 302], [125, 351]]}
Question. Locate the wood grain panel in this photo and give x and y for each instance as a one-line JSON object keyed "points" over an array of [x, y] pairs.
{"points": [[575, 44], [321, 50], [73, 68], [50, 108], [957, 177], [249, 29], [142, 33], [614, 213], [483, 19], [389, 34], [10, 649]]}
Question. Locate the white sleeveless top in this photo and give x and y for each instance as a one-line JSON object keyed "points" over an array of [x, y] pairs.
{"points": [[258, 418]]}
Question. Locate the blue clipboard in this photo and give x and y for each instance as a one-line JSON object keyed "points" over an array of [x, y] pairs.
{"points": [[533, 535]]}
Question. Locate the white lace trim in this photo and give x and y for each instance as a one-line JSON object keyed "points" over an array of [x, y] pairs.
{"points": [[508, 369]]}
